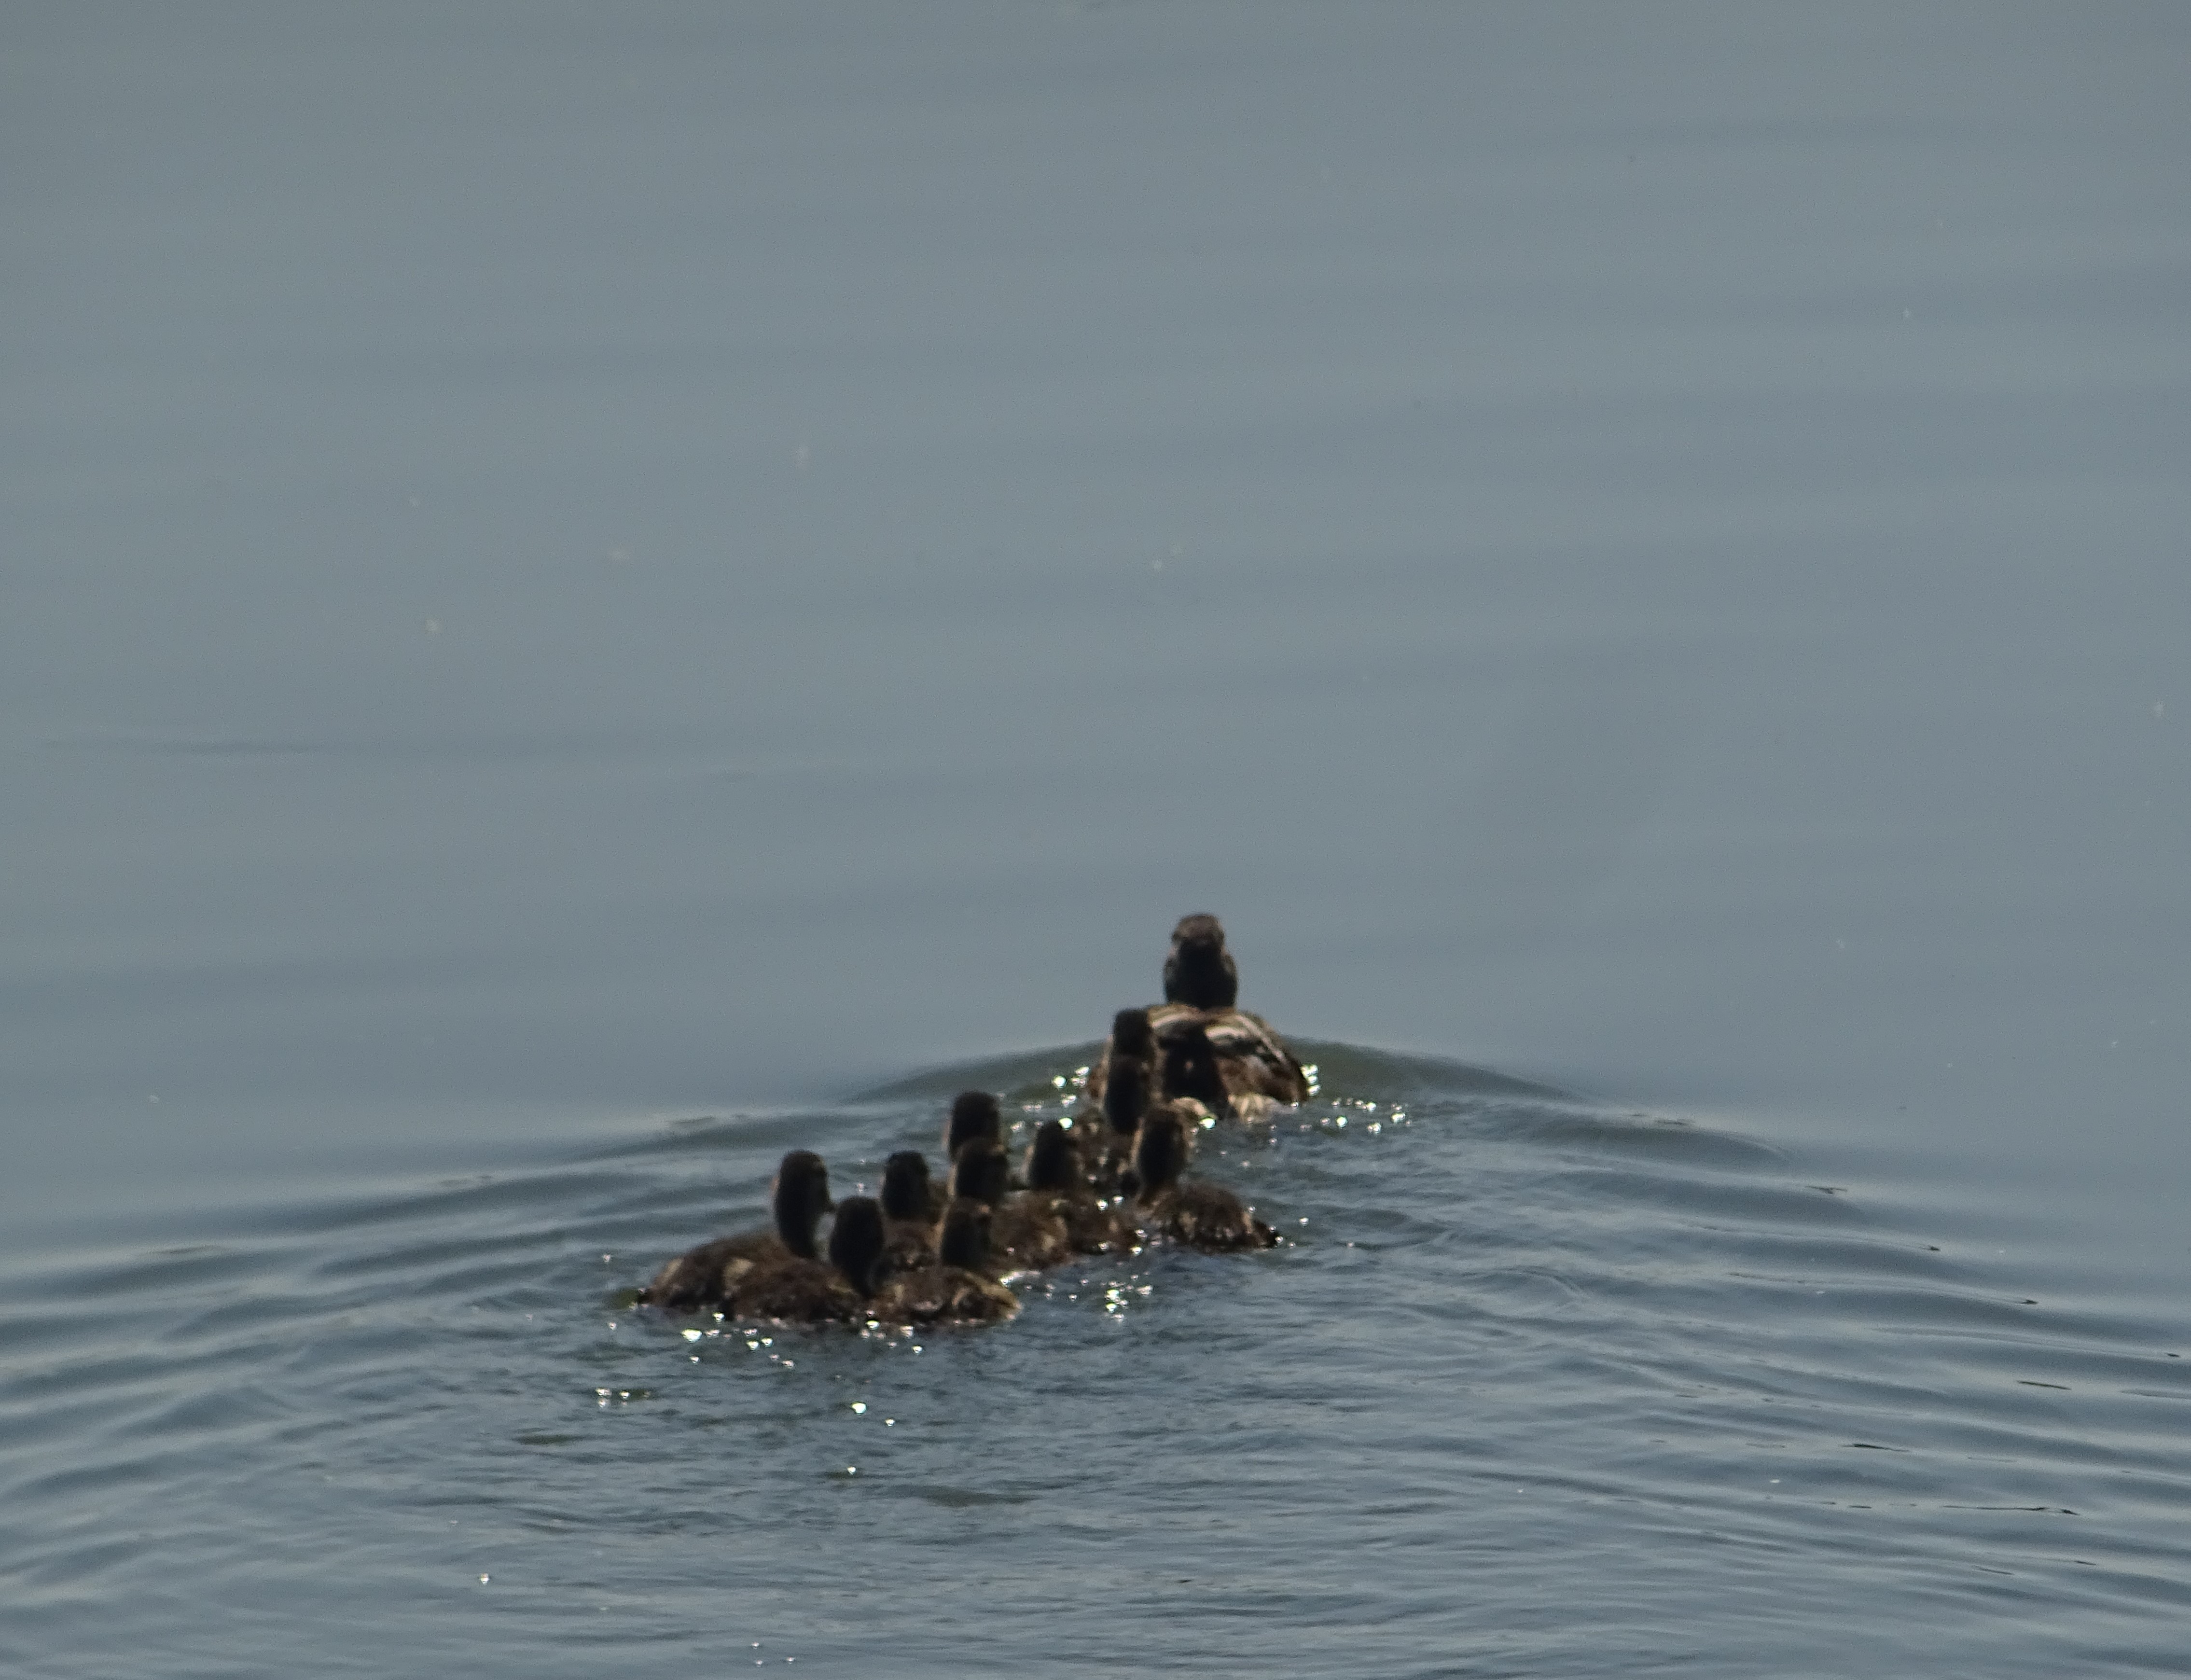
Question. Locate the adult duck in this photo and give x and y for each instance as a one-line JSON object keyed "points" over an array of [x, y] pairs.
{"points": [[1205, 1046], [695, 1280]]}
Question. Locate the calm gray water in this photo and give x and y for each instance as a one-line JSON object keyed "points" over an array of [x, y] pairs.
{"points": [[1535, 1387], [580, 586]]}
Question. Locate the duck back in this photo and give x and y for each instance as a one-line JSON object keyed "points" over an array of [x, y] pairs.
{"points": [[1030, 1234], [943, 1295], [1209, 1216], [1229, 1053], [693, 1282], [798, 1291], [1093, 1226]]}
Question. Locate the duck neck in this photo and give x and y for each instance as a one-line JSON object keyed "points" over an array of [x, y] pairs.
{"points": [[1126, 1096], [794, 1224]]}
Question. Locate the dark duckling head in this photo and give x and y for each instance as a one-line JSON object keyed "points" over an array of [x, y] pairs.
{"points": [[1190, 1066], [1130, 1033], [1199, 971], [965, 1240], [1159, 1155], [1051, 1164], [856, 1241], [1126, 1091], [800, 1199], [905, 1186], [973, 1113], [979, 1172]]}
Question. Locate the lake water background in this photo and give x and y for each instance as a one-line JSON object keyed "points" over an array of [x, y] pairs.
{"points": [[586, 590]]}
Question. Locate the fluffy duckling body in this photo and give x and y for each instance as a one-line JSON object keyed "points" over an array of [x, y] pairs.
{"points": [[812, 1291], [695, 1281], [1190, 1212], [1055, 1179], [911, 1209], [956, 1290], [1025, 1232]]}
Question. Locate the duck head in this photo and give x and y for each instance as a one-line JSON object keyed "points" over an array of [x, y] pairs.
{"points": [[1160, 1154], [1129, 1032], [973, 1113], [1199, 971], [1050, 1165], [979, 1172], [1125, 1077], [799, 1198], [905, 1186], [856, 1241]]}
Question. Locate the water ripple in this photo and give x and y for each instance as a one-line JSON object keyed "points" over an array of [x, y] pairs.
{"points": [[1526, 1371]]}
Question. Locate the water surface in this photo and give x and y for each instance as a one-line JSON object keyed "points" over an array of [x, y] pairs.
{"points": [[579, 585], [1532, 1386]]}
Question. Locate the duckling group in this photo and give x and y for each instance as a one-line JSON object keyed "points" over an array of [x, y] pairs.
{"points": [[1106, 1180]]}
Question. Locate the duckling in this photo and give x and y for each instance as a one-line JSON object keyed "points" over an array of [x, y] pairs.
{"points": [[1201, 1216], [973, 1113], [1120, 1088], [694, 1280], [1054, 1175], [954, 1290], [1025, 1232], [912, 1206], [808, 1292], [1191, 1067]]}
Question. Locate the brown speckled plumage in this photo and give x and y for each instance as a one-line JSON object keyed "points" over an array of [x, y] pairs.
{"points": [[955, 1291], [1057, 1181], [695, 1280], [1253, 1068], [1197, 1214], [913, 1209], [1025, 1232], [797, 1291]]}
